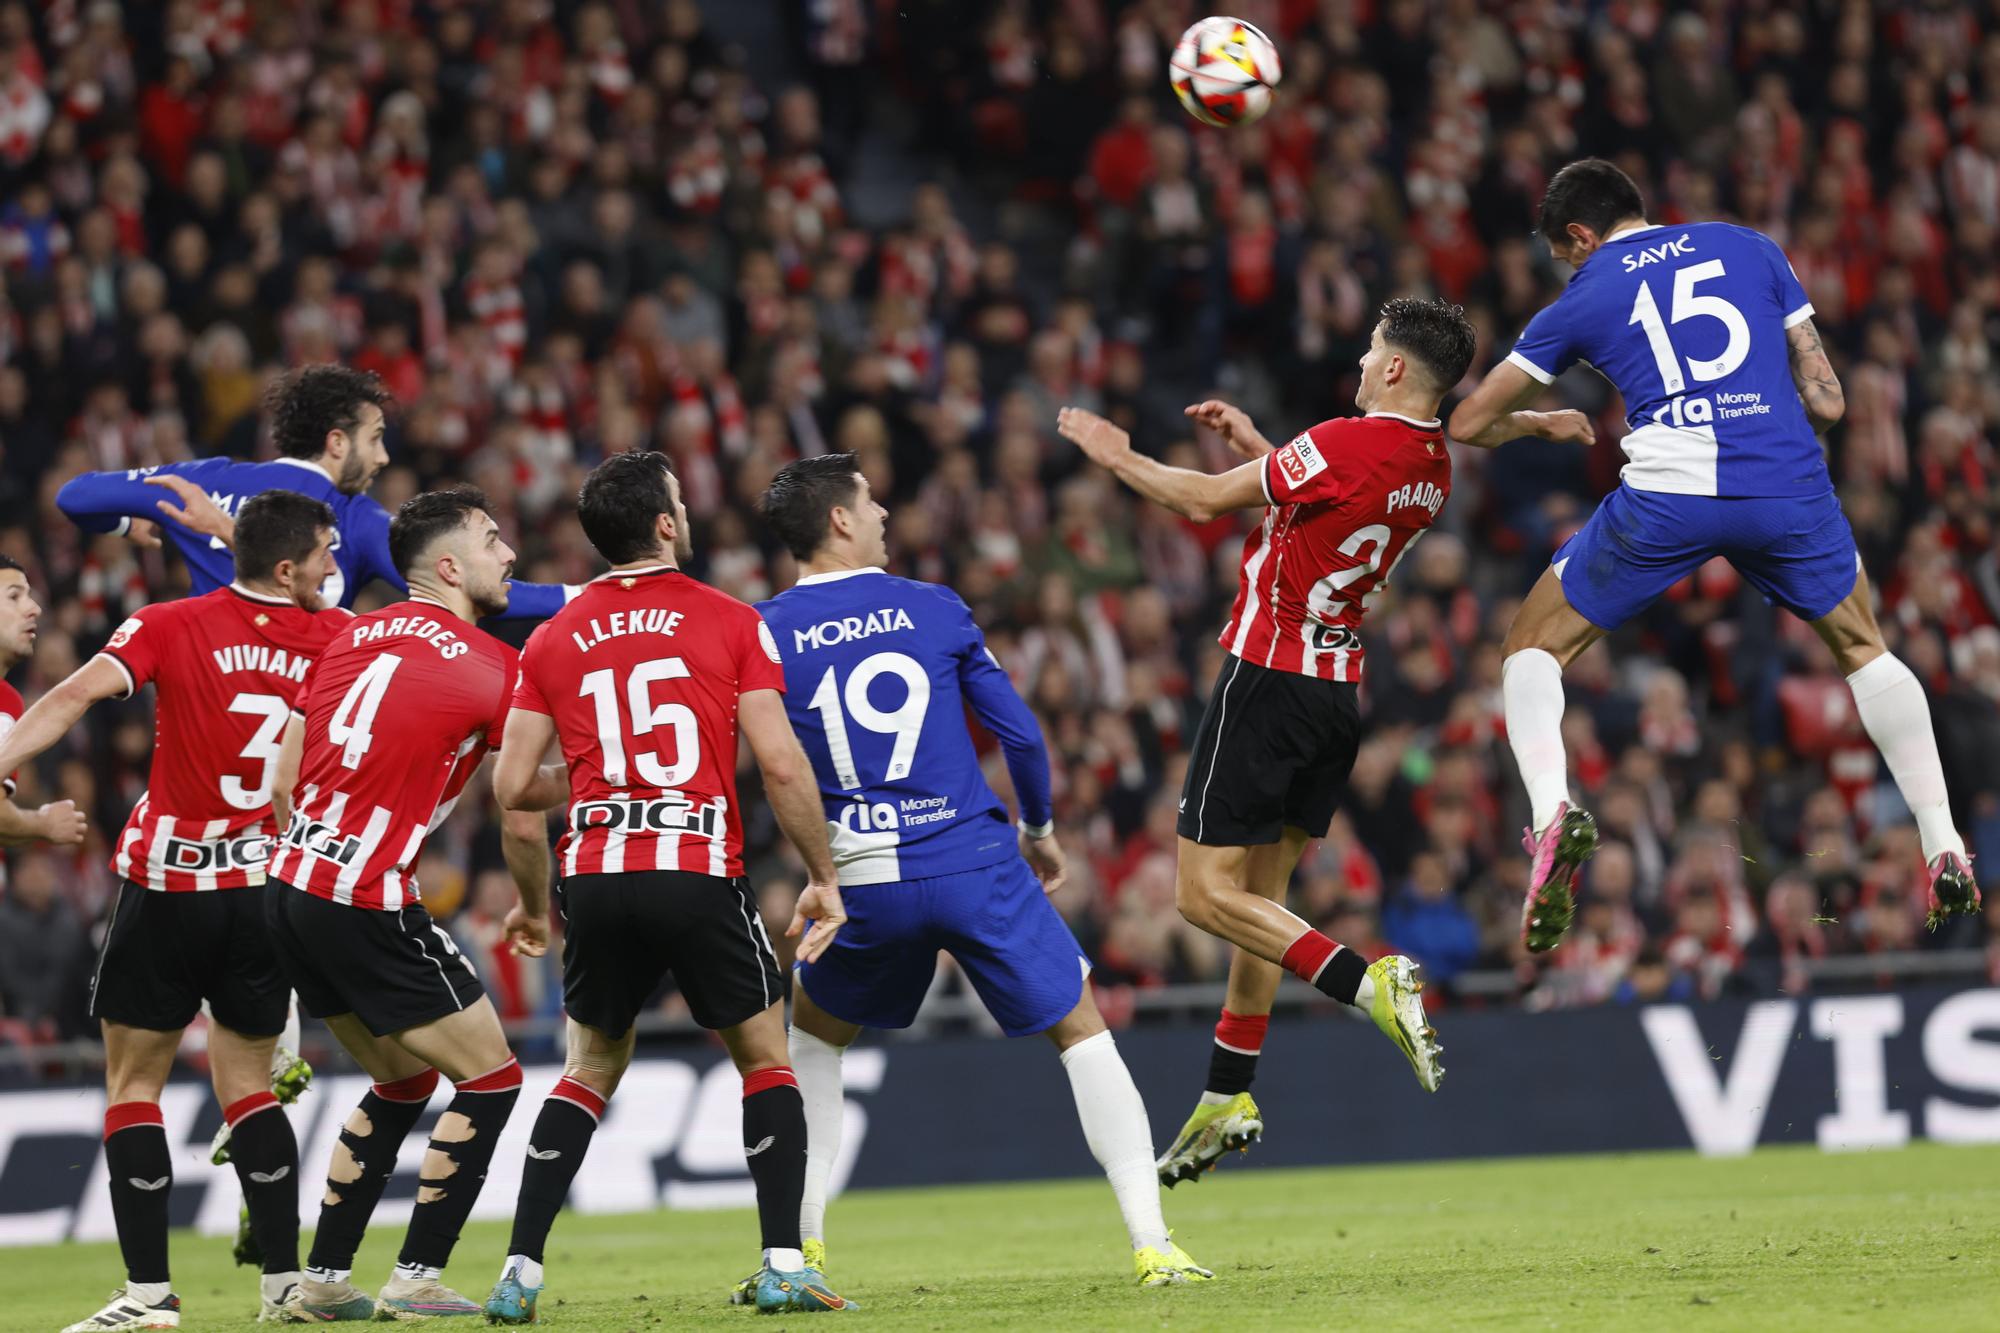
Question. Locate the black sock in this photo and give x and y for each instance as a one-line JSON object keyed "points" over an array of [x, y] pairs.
{"points": [[1343, 975], [1232, 1061], [363, 1161], [465, 1136], [142, 1176], [774, 1141], [265, 1153], [555, 1152]]}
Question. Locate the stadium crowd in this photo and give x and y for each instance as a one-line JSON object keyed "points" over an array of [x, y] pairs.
{"points": [[559, 231]]}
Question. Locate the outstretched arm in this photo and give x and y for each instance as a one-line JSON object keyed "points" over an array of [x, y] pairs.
{"points": [[1819, 388], [1200, 496], [111, 501], [1233, 424], [1495, 413]]}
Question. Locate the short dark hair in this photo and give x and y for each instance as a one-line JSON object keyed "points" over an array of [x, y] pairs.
{"points": [[425, 518], [275, 526], [621, 502], [1434, 334], [9, 562], [1592, 192], [306, 403], [799, 502]]}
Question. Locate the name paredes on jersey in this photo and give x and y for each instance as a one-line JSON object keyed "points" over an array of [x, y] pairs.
{"points": [[1658, 254], [646, 620], [831, 633], [261, 657], [433, 632], [1420, 493]]}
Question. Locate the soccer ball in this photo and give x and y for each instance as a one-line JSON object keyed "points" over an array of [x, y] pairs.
{"points": [[1224, 70]]}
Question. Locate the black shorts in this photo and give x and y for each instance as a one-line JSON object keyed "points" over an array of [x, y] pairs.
{"points": [[392, 970], [622, 933], [164, 953], [1274, 751]]}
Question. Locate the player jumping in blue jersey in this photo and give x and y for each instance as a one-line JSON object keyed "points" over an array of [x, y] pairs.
{"points": [[878, 671], [327, 423], [1707, 333]]}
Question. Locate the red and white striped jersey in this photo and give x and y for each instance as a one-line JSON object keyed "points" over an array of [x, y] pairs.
{"points": [[228, 667], [1347, 499], [399, 713], [641, 673]]}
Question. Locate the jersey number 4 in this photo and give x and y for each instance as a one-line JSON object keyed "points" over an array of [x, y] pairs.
{"points": [[1688, 305], [905, 722]]}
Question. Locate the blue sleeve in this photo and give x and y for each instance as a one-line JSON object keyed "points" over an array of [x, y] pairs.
{"points": [[533, 601], [1001, 709], [1544, 349], [109, 501], [1793, 303], [367, 527]]}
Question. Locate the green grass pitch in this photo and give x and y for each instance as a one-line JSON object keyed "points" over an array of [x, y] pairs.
{"points": [[1784, 1239]]}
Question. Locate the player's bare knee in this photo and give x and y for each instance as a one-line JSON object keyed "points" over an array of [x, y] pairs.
{"points": [[1198, 899], [595, 1060]]}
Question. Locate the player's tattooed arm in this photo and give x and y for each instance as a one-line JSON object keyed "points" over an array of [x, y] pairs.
{"points": [[1819, 388], [1200, 496]]}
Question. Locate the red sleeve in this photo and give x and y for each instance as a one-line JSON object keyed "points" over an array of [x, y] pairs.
{"points": [[140, 645], [510, 674], [11, 709], [757, 664], [527, 694], [1302, 472]]}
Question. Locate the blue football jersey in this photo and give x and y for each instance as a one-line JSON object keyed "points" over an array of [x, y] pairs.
{"points": [[1689, 323], [879, 671], [109, 501]]}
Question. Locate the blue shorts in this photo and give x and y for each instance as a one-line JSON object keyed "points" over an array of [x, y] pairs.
{"points": [[1798, 552], [996, 921]]}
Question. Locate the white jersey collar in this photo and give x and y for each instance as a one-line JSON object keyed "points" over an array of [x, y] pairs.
{"points": [[1639, 230], [834, 575], [306, 463], [264, 597], [1432, 424], [636, 573]]}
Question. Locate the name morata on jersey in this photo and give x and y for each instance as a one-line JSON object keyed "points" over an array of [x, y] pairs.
{"points": [[880, 670], [1347, 500], [399, 712], [1689, 323], [228, 668], [641, 674]]}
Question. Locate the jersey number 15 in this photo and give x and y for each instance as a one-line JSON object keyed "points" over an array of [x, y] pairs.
{"points": [[1688, 305]]}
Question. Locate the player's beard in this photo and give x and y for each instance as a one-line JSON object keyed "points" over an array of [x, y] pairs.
{"points": [[354, 475], [491, 599], [683, 545]]}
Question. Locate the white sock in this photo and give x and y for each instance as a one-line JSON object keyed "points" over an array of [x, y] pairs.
{"points": [[416, 1273], [1531, 693], [272, 1286], [784, 1261], [148, 1293], [328, 1277], [289, 1038], [525, 1270], [1898, 718], [816, 1064], [1216, 1098], [1120, 1138], [1364, 994]]}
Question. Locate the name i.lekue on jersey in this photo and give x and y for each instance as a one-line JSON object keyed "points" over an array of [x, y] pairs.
{"points": [[646, 620]]}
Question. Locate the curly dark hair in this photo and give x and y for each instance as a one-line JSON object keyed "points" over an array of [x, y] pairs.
{"points": [[308, 402]]}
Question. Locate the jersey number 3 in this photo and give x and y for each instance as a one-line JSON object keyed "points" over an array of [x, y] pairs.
{"points": [[1687, 305]]}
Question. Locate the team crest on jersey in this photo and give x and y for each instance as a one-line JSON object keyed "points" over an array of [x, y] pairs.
{"points": [[123, 634], [1301, 460]]}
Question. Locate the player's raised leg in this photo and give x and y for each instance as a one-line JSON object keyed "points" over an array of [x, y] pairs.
{"points": [[140, 1166], [569, 1118], [1227, 1118], [1898, 719], [1209, 891], [1546, 636]]}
